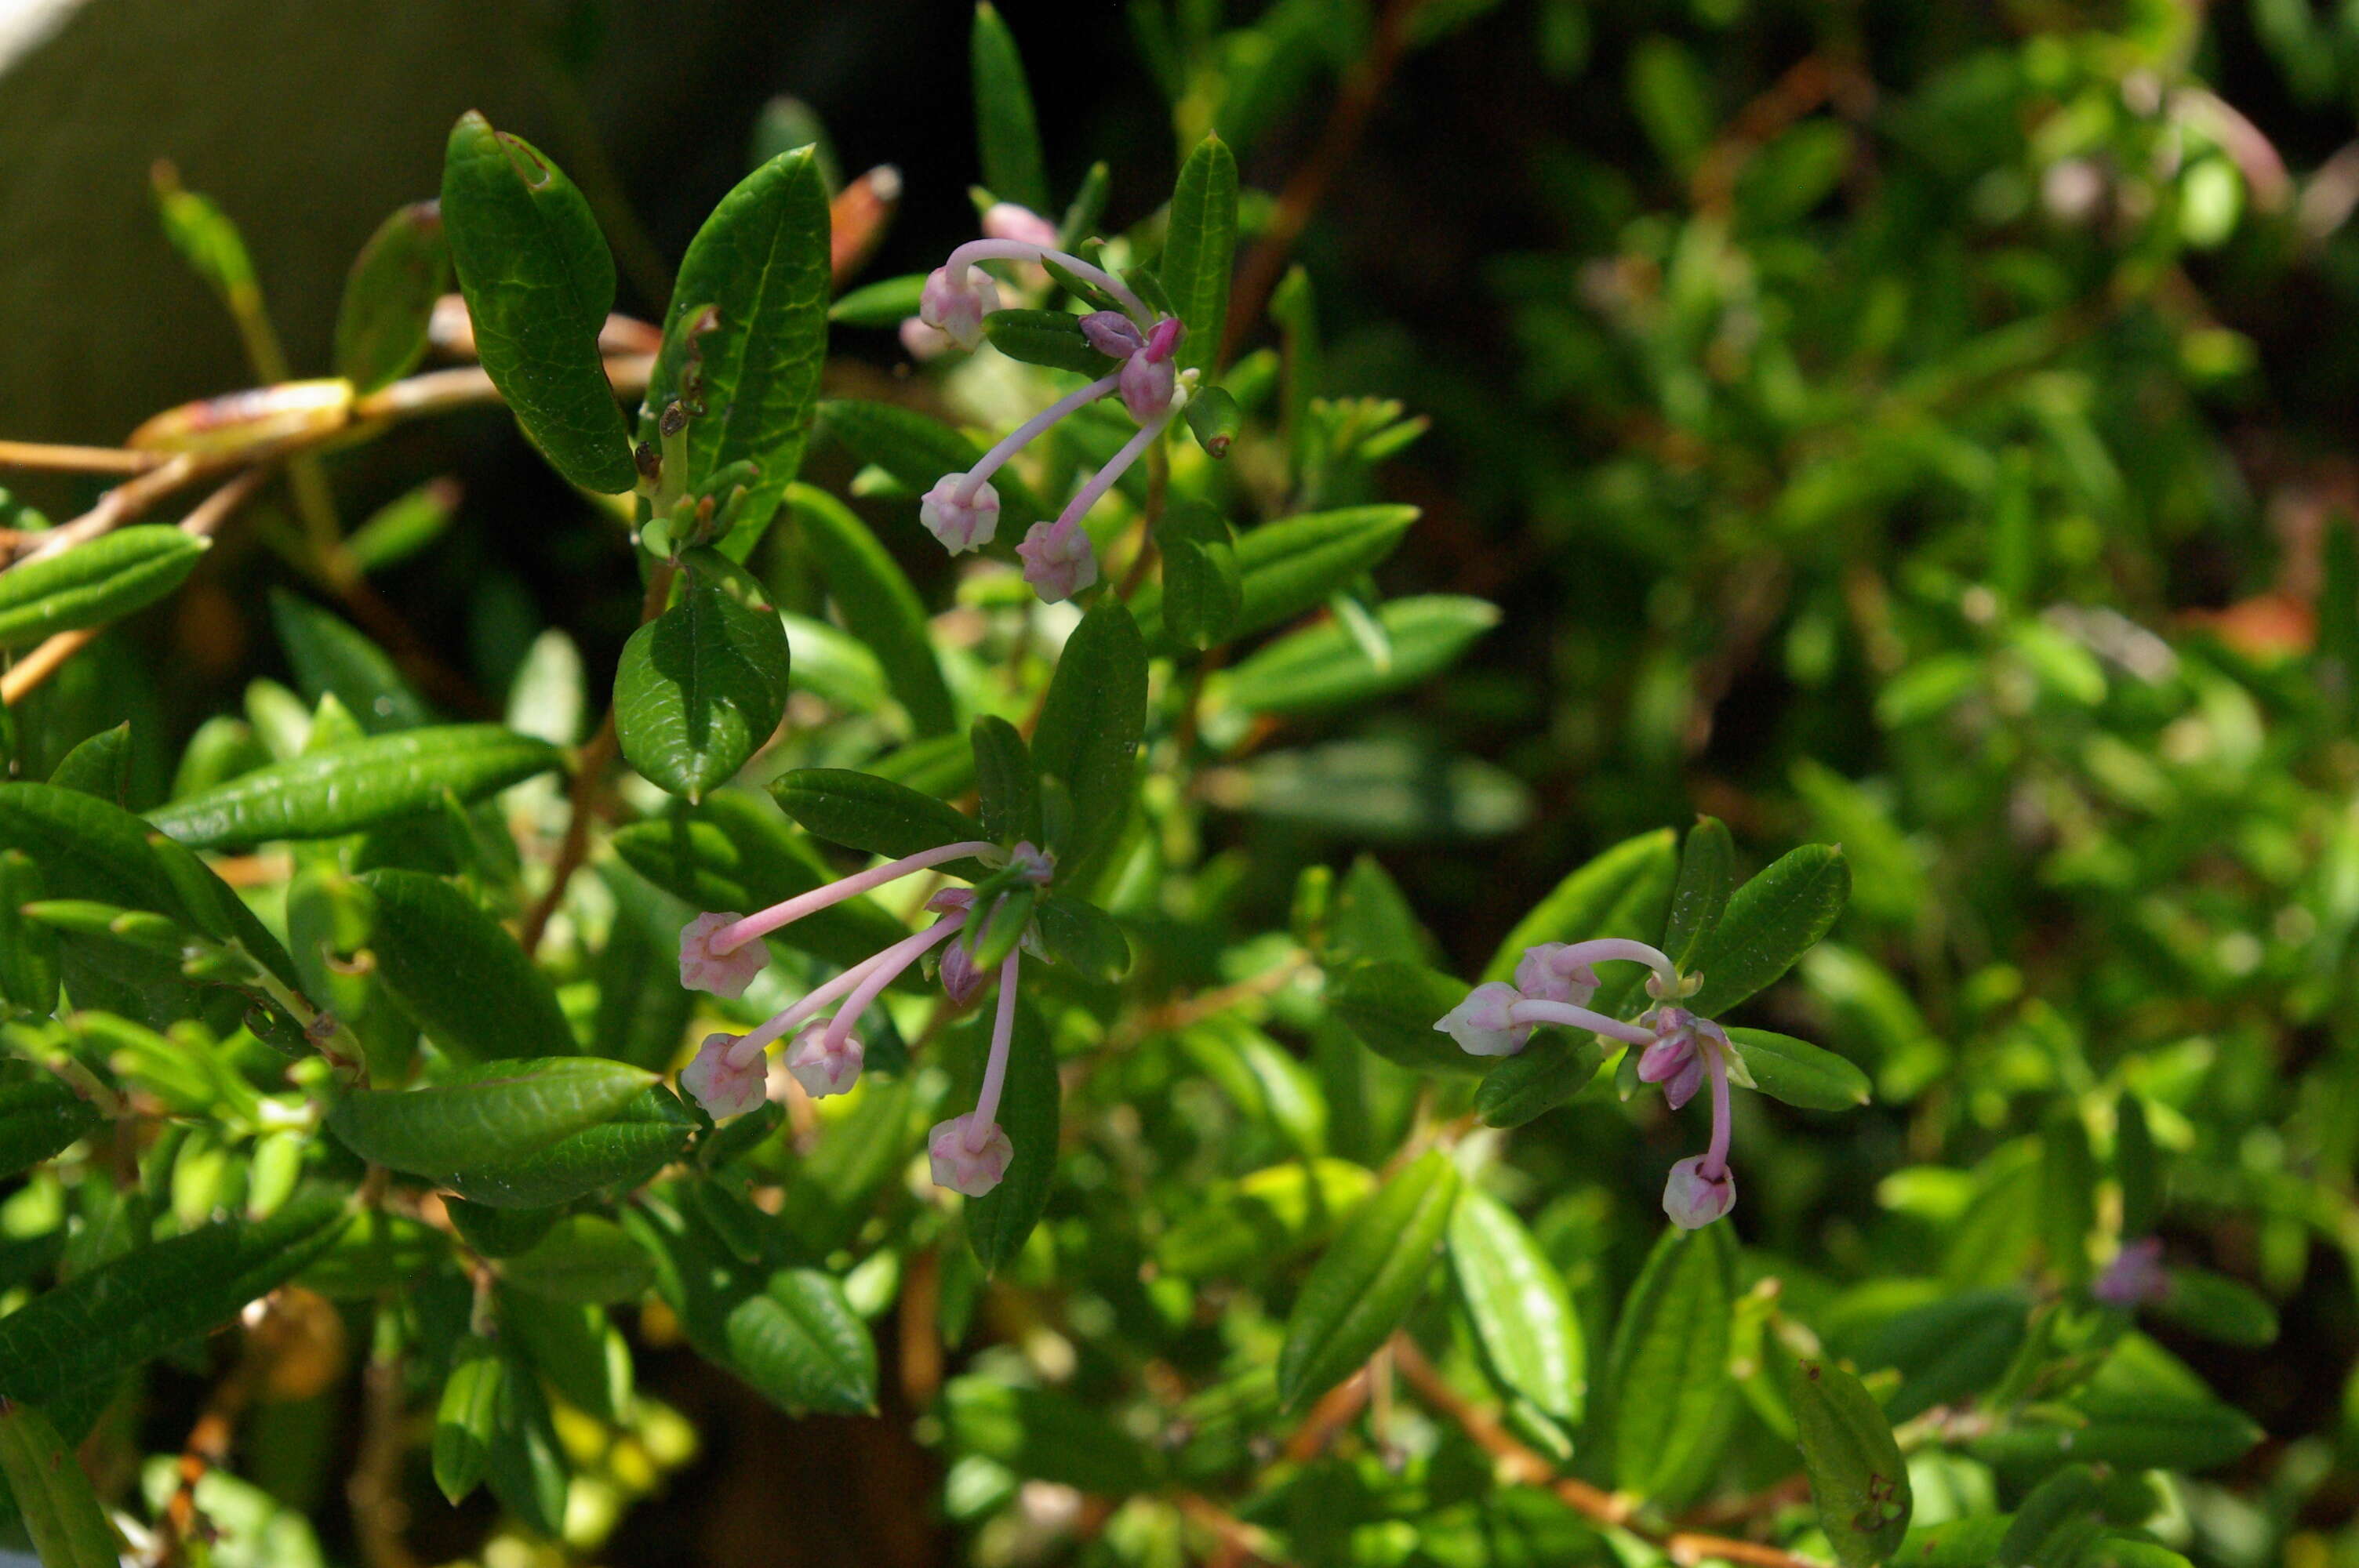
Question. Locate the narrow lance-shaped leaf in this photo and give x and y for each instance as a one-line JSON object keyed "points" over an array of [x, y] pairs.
{"points": [[1008, 791], [917, 450], [538, 282], [1700, 894], [28, 949], [526, 1466], [1516, 1301], [1858, 1479], [1203, 588], [1088, 736], [584, 1261], [1359, 1291], [323, 794], [92, 583], [1553, 1066], [53, 1494], [1294, 564], [466, 1416], [1668, 1383], [1584, 904], [484, 1113], [1325, 666], [1050, 338], [702, 686], [1006, 129], [761, 261], [1200, 248], [331, 656], [1770, 922], [454, 969], [99, 766], [616, 1154], [389, 297], [877, 604], [998, 1222], [861, 811], [1797, 1072], [1393, 1005]]}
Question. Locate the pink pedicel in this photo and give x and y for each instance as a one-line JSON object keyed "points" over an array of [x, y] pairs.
{"points": [[723, 1088], [708, 966]]}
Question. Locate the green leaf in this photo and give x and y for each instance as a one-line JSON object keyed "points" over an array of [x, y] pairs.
{"points": [[497, 1110], [1701, 896], [61, 1512], [1523, 1318], [761, 259], [2135, 1165], [702, 686], [1203, 588], [1618, 892], [734, 851], [1008, 789], [1393, 1006], [1371, 918], [2143, 1409], [1264, 1219], [1079, 933], [1947, 1350], [2197, 1301], [1392, 787], [583, 1261], [1771, 921], [1668, 1392], [330, 657], [1294, 564], [1214, 419], [1797, 1072], [2055, 1519], [888, 302], [402, 527], [1048, 1435], [99, 766], [1005, 128], [94, 582], [788, 1333], [861, 811], [999, 1222], [526, 1464], [1200, 248], [500, 1232], [29, 948], [617, 1155], [1087, 739], [376, 1253], [1858, 1479], [458, 973], [878, 605], [323, 794], [135, 1307], [1050, 338], [466, 1419], [2068, 1194], [1359, 1291], [581, 1353], [538, 282], [389, 298], [642, 1011], [917, 450], [1325, 666], [1553, 1066]]}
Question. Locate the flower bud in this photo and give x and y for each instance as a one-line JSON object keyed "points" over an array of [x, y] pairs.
{"points": [[1165, 338], [1694, 1199], [1146, 385], [961, 978], [956, 307], [2134, 1277], [1113, 334], [922, 343], [961, 524], [972, 1171], [1480, 1026], [823, 1072], [722, 1086], [1543, 974], [1058, 561], [1006, 221], [1035, 865], [724, 974]]}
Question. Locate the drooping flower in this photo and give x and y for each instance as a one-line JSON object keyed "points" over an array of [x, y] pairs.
{"points": [[2135, 1277], [1058, 560], [973, 1164], [725, 969], [961, 512], [824, 1070], [724, 1086], [1676, 1049]]}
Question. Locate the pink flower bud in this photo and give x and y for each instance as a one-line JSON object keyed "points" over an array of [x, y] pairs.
{"points": [[1480, 1026], [1035, 866], [1006, 221], [1681, 1086], [2134, 1277], [961, 978], [1694, 1199], [1113, 334], [722, 1086], [1542, 974], [1672, 1056], [823, 1072], [972, 1171], [1058, 560], [961, 524], [723, 973], [956, 307], [1162, 342], [922, 343], [949, 901], [1146, 385]]}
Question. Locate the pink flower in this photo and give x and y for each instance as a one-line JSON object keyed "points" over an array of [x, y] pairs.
{"points": [[1480, 1026], [961, 981], [1058, 560], [723, 964], [723, 1088], [955, 300], [967, 1158], [961, 512], [1113, 334], [1035, 865], [2134, 1277], [1147, 386], [1006, 221], [1693, 1198], [821, 1067], [922, 343], [1544, 974]]}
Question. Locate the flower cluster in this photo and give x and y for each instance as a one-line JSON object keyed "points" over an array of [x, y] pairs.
{"points": [[1554, 983], [963, 509], [721, 954]]}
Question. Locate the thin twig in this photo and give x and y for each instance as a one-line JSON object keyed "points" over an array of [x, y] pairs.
{"points": [[1177, 1015], [51, 459]]}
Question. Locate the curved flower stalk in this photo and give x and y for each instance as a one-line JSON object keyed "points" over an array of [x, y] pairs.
{"points": [[722, 952], [1676, 1049], [963, 509]]}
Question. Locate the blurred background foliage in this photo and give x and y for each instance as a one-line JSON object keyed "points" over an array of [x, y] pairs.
{"points": [[1923, 426]]}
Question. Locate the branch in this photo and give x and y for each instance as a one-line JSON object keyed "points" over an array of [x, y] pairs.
{"points": [[50, 459]]}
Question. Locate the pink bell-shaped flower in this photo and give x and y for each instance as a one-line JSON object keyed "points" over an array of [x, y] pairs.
{"points": [[1693, 1198], [723, 1088], [824, 1070], [706, 965], [964, 513], [972, 1166], [1480, 1026], [1058, 560], [956, 305]]}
